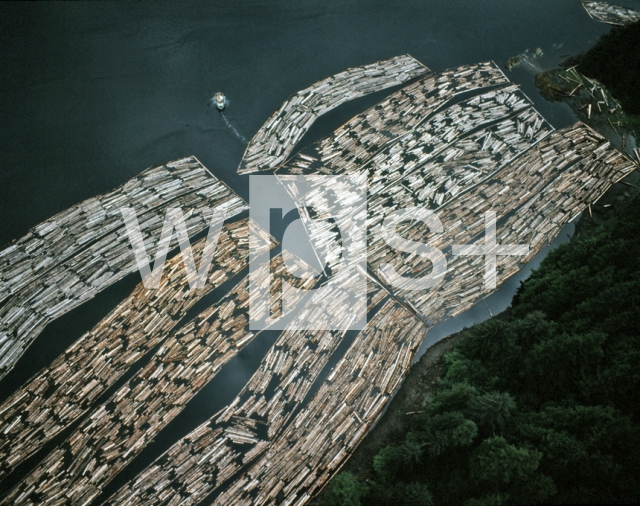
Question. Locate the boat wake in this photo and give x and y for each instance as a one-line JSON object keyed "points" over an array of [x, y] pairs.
{"points": [[233, 129]]}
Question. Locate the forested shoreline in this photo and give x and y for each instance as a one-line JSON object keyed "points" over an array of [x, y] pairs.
{"points": [[537, 405], [615, 61]]}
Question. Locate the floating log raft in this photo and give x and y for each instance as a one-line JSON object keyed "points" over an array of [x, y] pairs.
{"points": [[533, 198], [219, 448], [122, 426], [611, 14], [459, 158], [360, 139], [444, 162], [64, 391], [452, 151], [58, 266], [278, 136], [326, 431]]}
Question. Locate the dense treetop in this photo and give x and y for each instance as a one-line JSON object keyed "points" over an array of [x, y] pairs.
{"points": [[539, 404], [615, 62]]}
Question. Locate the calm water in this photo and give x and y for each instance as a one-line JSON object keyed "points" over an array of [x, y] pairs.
{"points": [[93, 93]]}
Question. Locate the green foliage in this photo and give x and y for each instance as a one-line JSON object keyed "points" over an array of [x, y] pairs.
{"points": [[497, 462], [401, 493], [410, 453], [388, 463], [509, 472], [345, 490], [497, 499], [589, 291], [615, 62], [460, 369], [454, 398], [540, 404], [414, 494], [445, 431], [492, 410], [559, 368]]}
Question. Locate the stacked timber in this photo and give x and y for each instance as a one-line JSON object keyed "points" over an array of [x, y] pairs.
{"points": [[416, 147], [467, 162], [442, 157], [122, 426], [326, 431], [611, 14], [70, 258], [452, 169], [275, 394], [278, 136], [66, 390], [354, 144], [533, 198]]}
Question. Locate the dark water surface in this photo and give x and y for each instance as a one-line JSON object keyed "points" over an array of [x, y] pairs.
{"points": [[93, 93]]}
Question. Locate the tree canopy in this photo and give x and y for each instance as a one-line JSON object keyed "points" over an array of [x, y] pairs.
{"points": [[537, 405], [615, 62]]}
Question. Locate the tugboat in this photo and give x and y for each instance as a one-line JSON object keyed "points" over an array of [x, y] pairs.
{"points": [[220, 101]]}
